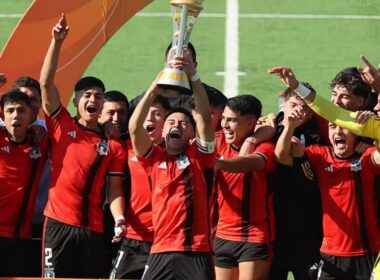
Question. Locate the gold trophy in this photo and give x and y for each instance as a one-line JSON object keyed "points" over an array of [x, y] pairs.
{"points": [[181, 10]]}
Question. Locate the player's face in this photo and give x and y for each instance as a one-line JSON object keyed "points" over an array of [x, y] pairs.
{"points": [[154, 122], [377, 107], [236, 127], [89, 105], [342, 140], [17, 117], [115, 112], [292, 103], [35, 100], [177, 132], [346, 99]]}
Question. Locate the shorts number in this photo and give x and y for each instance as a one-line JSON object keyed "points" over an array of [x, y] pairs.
{"points": [[48, 256]]}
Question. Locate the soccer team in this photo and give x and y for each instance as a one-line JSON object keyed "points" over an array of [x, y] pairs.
{"points": [[179, 185]]}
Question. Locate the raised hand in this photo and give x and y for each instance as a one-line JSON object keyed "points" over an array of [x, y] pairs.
{"points": [[370, 74], [287, 76], [296, 117], [185, 62], [61, 29]]}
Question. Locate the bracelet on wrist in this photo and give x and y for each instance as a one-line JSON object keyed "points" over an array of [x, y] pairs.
{"points": [[302, 90], [195, 77]]}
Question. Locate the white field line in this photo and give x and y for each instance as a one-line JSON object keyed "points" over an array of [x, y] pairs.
{"points": [[231, 62], [259, 16]]}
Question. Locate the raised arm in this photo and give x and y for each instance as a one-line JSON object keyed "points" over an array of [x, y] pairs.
{"points": [[49, 93], [284, 151], [141, 142], [205, 130], [326, 109], [370, 74]]}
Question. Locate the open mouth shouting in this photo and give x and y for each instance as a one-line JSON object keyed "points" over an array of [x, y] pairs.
{"points": [[150, 128], [91, 109], [340, 143]]}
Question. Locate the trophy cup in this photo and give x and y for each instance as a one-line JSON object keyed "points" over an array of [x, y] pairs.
{"points": [[181, 10]]}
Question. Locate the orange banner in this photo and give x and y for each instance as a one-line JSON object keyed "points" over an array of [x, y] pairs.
{"points": [[92, 23]]}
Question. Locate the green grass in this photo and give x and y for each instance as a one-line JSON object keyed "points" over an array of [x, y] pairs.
{"points": [[316, 49]]}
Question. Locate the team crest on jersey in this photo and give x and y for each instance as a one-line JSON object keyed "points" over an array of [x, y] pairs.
{"points": [[34, 152], [49, 273], [102, 148], [183, 162], [356, 165]]}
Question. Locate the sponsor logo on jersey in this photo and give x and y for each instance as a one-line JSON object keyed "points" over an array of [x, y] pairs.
{"points": [[5, 149], [162, 165], [73, 134], [330, 169]]}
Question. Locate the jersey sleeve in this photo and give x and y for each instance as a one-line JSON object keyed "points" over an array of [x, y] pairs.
{"points": [[56, 120], [346, 119], [207, 156], [266, 150], [118, 161], [147, 161]]}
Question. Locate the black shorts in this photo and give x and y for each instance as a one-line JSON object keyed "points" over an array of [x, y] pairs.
{"points": [[131, 259], [347, 268], [15, 257], [229, 253], [179, 265], [72, 252]]}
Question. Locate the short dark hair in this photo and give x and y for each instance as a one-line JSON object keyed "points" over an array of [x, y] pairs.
{"points": [[116, 96], [29, 82], [183, 111], [289, 92], [215, 97], [191, 48], [87, 82], [245, 104], [14, 96], [350, 79], [163, 101]]}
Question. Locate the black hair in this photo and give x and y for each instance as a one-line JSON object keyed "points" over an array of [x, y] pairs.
{"points": [[245, 104], [183, 111], [215, 97], [350, 79], [14, 96], [191, 48], [29, 82], [87, 82], [289, 92], [163, 101], [116, 96]]}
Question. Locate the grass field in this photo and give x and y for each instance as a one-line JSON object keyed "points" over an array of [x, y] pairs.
{"points": [[316, 48], [270, 33]]}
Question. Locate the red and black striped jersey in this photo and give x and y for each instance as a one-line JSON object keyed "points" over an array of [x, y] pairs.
{"points": [[180, 208], [17, 181], [244, 200], [74, 151]]}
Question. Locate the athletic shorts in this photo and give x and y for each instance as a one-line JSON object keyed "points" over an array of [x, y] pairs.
{"points": [[15, 257], [229, 253], [347, 268], [131, 259], [179, 265], [72, 252]]}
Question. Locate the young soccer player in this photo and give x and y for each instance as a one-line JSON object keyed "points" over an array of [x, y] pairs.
{"points": [[181, 246], [81, 158]]}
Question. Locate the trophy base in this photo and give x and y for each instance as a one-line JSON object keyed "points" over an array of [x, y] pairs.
{"points": [[175, 79]]}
